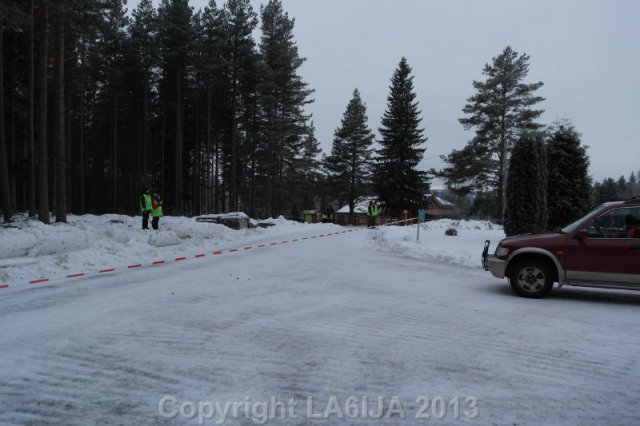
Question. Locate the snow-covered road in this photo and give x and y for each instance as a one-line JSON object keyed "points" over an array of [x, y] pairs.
{"points": [[329, 318]]}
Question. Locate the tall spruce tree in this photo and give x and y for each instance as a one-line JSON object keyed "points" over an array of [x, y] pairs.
{"points": [[500, 111], [283, 96], [527, 187], [397, 180], [568, 183], [349, 164]]}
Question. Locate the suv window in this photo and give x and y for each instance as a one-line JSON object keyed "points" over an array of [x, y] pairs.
{"points": [[617, 223]]}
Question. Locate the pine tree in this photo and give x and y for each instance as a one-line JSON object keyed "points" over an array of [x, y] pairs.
{"points": [[606, 191], [469, 170], [307, 171], [500, 111], [569, 186], [42, 154], [59, 122], [349, 164], [175, 38], [241, 21], [397, 181], [623, 188], [283, 96], [527, 187], [5, 199], [143, 32], [633, 185]]}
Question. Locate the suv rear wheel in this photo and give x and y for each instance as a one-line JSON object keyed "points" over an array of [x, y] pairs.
{"points": [[531, 278]]}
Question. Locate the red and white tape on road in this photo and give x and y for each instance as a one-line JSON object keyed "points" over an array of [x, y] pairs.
{"points": [[167, 261]]}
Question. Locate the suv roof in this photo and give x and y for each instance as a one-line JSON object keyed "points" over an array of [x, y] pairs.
{"points": [[633, 201]]}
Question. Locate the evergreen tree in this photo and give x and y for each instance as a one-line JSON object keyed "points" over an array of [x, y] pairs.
{"points": [[241, 21], [623, 188], [569, 186], [283, 95], [144, 35], [307, 171], [397, 181], [500, 111], [349, 164], [469, 170], [5, 199], [606, 191], [633, 185], [527, 187], [175, 38]]}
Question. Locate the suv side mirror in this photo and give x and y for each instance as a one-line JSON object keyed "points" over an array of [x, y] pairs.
{"points": [[582, 235]]}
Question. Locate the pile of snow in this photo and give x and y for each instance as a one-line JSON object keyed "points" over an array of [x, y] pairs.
{"points": [[30, 249], [464, 249]]}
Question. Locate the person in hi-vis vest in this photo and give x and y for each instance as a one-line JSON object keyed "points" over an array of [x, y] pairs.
{"points": [[145, 207]]}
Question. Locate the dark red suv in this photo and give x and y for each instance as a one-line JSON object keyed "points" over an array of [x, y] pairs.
{"points": [[602, 249]]}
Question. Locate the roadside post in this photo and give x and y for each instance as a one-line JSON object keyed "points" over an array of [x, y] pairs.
{"points": [[421, 217]]}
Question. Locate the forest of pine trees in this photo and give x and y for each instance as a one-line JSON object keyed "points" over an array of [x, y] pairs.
{"points": [[100, 103]]}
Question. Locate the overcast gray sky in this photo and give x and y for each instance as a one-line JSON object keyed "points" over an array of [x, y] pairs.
{"points": [[586, 52]]}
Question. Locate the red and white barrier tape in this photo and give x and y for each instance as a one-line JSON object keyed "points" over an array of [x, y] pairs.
{"points": [[174, 260]]}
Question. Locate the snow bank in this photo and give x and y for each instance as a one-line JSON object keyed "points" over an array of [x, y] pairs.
{"points": [[463, 249], [163, 239], [31, 249], [15, 243]]}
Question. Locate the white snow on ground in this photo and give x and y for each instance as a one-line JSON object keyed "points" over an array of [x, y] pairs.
{"points": [[88, 243], [434, 245], [337, 316]]}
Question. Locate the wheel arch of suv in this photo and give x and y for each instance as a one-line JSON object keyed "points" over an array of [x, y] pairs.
{"points": [[538, 254]]}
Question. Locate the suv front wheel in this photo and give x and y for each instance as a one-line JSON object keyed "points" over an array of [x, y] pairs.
{"points": [[531, 278]]}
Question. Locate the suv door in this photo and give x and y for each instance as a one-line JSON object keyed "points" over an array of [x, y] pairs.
{"points": [[611, 251]]}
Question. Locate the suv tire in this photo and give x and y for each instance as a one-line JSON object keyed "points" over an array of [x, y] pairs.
{"points": [[531, 278]]}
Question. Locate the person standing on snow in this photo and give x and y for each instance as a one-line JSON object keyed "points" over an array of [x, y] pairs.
{"points": [[156, 211], [145, 207], [372, 212]]}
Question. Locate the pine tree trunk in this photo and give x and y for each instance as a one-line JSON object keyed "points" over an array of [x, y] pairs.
{"points": [[5, 200], [61, 163], [232, 193], [43, 172], [31, 154], [81, 174], [114, 145], [195, 187], [163, 140], [11, 131], [208, 144], [178, 165], [145, 132]]}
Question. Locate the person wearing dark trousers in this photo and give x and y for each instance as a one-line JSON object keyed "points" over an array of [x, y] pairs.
{"points": [[372, 214], [156, 212], [145, 207]]}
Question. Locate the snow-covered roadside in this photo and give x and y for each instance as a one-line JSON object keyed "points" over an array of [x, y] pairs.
{"points": [[30, 249], [463, 249]]}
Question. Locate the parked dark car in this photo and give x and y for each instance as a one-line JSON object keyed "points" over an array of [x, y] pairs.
{"points": [[602, 249]]}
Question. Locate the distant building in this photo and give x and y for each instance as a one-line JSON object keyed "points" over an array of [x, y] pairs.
{"points": [[312, 216], [360, 211], [437, 207]]}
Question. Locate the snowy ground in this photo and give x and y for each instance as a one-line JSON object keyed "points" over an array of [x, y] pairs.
{"points": [[88, 243], [370, 313]]}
